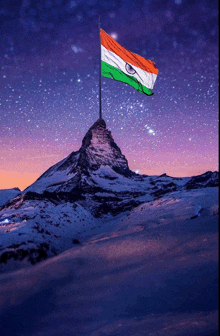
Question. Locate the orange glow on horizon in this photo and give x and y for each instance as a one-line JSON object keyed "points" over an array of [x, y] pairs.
{"points": [[13, 179]]}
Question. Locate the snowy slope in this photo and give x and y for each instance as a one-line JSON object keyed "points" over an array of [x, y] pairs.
{"points": [[8, 194], [151, 271]]}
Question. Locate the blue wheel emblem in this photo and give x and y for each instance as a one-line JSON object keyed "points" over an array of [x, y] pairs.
{"points": [[129, 69]]}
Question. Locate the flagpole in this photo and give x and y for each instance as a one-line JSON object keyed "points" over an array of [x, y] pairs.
{"points": [[100, 73]]}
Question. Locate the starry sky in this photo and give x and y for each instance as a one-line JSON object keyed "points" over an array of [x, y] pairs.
{"points": [[49, 77]]}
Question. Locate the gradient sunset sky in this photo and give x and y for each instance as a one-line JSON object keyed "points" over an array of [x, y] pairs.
{"points": [[49, 85]]}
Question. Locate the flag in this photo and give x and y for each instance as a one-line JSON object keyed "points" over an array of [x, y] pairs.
{"points": [[125, 66]]}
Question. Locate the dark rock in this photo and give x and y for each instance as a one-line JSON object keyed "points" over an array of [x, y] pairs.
{"points": [[34, 255], [208, 179], [166, 188], [76, 241], [114, 208]]}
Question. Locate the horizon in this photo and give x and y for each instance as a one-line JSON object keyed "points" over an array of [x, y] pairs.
{"points": [[26, 179], [33, 177]]}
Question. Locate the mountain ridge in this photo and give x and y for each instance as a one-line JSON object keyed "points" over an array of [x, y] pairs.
{"points": [[80, 195], [98, 148]]}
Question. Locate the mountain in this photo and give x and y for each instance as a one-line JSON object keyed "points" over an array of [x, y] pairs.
{"points": [[208, 179], [80, 196], [74, 172], [8, 194]]}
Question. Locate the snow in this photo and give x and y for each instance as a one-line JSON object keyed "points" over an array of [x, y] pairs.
{"points": [[50, 183], [104, 194], [108, 179], [197, 209], [59, 223], [7, 194], [152, 268], [5, 221]]}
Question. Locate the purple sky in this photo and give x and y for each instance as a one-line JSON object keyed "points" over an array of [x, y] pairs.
{"points": [[49, 85]]}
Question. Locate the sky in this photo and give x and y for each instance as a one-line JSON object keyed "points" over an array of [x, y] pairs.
{"points": [[49, 77]]}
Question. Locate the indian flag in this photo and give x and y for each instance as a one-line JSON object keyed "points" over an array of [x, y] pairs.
{"points": [[125, 66]]}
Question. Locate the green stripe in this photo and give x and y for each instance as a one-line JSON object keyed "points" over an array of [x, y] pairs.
{"points": [[112, 72]]}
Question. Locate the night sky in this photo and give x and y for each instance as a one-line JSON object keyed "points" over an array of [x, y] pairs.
{"points": [[49, 84]]}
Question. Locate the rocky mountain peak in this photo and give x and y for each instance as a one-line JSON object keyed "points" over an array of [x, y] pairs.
{"points": [[99, 149], [95, 131], [96, 135]]}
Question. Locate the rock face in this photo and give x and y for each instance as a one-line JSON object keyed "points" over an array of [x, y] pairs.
{"points": [[98, 150], [208, 179]]}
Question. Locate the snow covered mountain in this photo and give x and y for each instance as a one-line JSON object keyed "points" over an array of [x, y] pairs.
{"points": [[208, 179], [74, 172], [82, 195], [8, 194]]}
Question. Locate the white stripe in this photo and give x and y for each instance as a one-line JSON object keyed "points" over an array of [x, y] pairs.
{"points": [[145, 78]]}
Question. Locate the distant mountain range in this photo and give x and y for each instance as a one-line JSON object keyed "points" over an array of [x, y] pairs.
{"points": [[7, 194], [78, 197]]}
